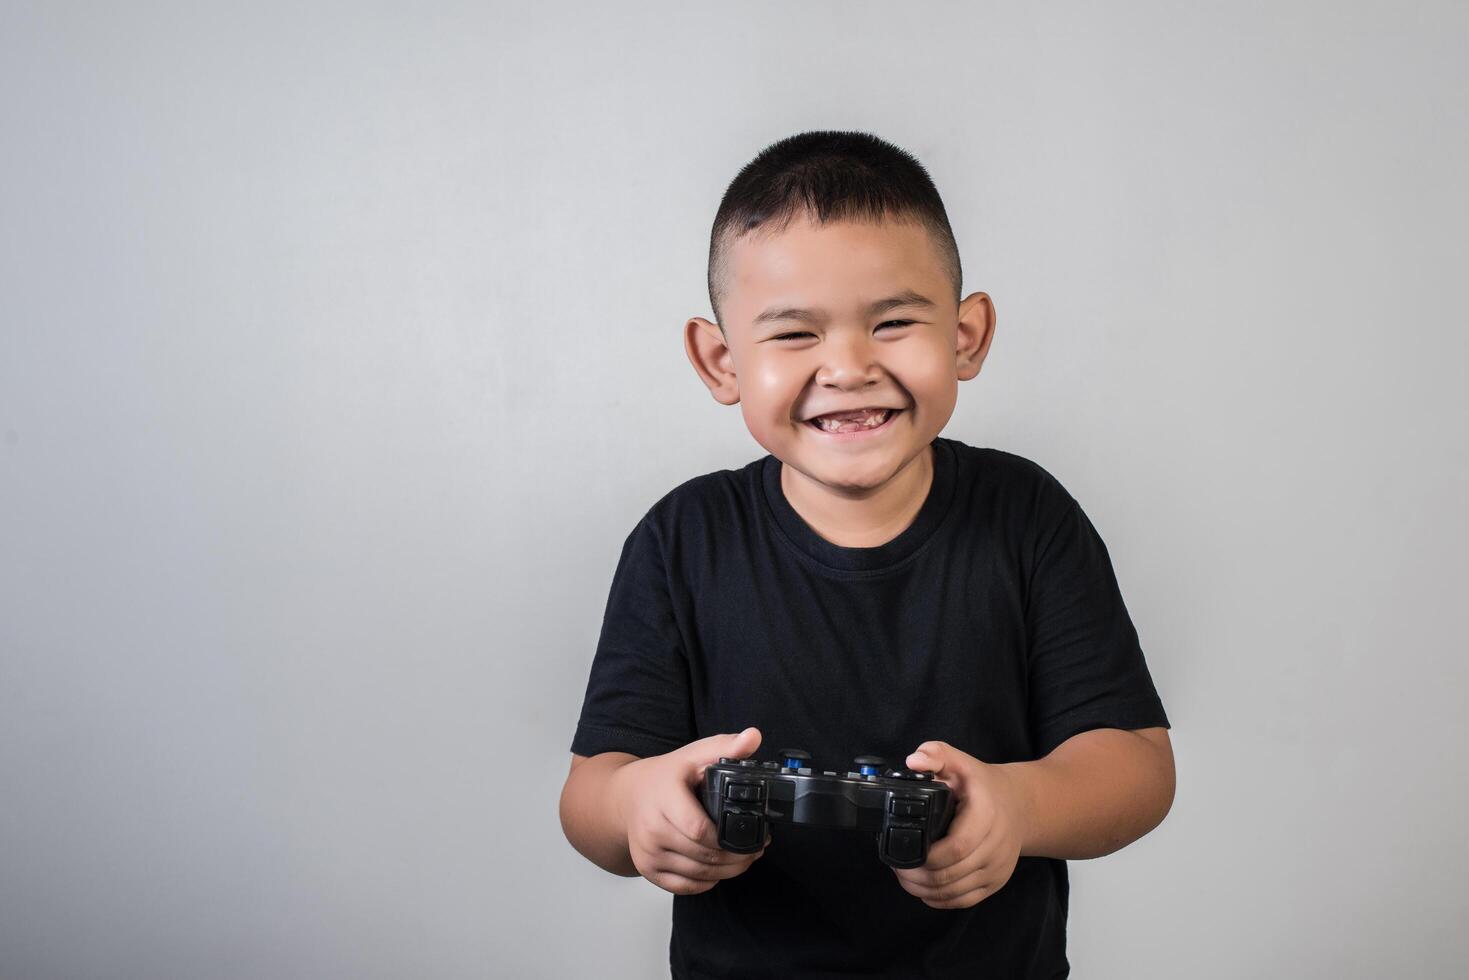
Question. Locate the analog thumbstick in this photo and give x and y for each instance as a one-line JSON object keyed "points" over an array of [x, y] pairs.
{"points": [[795, 758]]}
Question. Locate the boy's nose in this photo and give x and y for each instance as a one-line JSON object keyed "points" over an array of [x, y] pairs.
{"points": [[848, 363]]}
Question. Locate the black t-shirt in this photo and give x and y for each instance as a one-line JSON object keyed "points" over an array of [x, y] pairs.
{"points": [[993, 622]]}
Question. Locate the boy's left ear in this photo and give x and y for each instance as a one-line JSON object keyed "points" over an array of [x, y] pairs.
{"points": [[976, 330], [709, 353]]}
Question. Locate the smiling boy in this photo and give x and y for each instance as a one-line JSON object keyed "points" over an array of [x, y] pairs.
{"points": [[868, 586]]}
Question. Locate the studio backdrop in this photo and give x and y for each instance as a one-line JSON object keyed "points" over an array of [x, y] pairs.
{"points": [[341, 347]]}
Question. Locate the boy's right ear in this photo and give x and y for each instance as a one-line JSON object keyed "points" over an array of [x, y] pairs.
{"points": [[710, 355]]}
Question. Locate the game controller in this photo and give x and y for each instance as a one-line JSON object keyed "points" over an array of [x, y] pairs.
{"points": [[909, 810]]}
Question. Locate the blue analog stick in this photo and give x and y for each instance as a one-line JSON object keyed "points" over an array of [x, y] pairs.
{"points": [[795, 758], [870, 765]]}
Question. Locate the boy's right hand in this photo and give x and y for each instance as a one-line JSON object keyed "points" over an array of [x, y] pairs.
{"points": [[670, 838]]}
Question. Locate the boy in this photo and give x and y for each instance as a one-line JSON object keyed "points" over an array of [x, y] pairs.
{"points": [[867, 587]]}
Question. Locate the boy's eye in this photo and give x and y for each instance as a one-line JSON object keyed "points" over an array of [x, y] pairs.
{"points": [[896, 323]]}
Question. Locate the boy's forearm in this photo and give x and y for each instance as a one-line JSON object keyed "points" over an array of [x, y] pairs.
{"points": [[1094, 794], [590, 816]]}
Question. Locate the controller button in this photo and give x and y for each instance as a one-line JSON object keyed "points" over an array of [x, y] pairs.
{"points": [[794, 758], [908, 808], [770, 765], [904, 844], [741, 829], [743, 791], [747, 762]]}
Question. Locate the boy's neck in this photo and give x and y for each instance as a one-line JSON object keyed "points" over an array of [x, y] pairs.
{"points": [[865, 522]]}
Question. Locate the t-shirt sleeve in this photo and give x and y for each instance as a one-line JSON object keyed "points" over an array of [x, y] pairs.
{"points": [[1086, 668], [638, 694]]}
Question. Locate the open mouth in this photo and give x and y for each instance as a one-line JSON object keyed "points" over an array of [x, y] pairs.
{"points": [[877, 422]]}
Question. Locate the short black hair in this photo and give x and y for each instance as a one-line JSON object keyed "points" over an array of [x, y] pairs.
{"points": [[831, 175]]}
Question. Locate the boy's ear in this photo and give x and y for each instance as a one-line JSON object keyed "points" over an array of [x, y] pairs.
{"points": [[976, 330], [710, 355]]}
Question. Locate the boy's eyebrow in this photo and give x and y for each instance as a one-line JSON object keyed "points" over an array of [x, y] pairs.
{"points": [[907, 297]]}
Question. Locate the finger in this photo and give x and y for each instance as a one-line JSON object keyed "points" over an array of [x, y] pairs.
{"points": [[932, 875], [968, 833], [952, 850], [938, 766], [964, 901], [679, 864], [936, 754], [680, 885], [925, 762], [928, 887], [947, 889], [939, 759], [698, 756], [692, 823], [705, 848]]}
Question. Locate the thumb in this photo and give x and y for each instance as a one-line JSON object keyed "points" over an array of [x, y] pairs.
{"points": [[707, 751], [945, 762], [932, 757]]}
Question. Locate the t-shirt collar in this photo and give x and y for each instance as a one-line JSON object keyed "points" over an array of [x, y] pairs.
{"points": [[882, 557]]}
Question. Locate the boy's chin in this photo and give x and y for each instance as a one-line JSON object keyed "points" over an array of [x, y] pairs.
{"points": [[846, 467]]}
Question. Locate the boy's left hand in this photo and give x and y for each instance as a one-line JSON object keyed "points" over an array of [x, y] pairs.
{"points": [[978, 854]]}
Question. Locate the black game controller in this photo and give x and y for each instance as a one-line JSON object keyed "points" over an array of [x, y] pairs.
{"points": [[908, 809]]}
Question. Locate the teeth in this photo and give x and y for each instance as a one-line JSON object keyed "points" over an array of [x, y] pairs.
{"points": [[872, 421]]}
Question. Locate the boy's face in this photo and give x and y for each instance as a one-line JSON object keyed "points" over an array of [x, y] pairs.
{"points": [[785, 367]]}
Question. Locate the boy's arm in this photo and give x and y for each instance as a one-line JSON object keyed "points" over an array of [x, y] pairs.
{"points": [[590, 814], [1095, 793]]}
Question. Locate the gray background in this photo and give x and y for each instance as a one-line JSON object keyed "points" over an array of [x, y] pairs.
{"points": [[340, 350]]}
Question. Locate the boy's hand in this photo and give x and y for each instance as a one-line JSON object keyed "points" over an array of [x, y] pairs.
{"points": [[978, 854], [670, 838]]}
